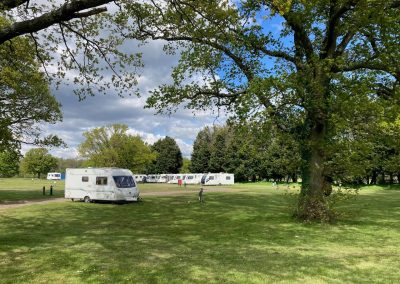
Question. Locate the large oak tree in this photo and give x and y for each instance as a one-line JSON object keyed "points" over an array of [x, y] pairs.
{"points": [[327, 53]]}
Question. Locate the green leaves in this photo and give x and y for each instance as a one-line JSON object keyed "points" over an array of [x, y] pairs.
{"points": [[9, 163], [25, 98], [112, 146], [38, 161], [169, 157]]}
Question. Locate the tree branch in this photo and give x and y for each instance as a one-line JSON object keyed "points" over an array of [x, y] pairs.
{"points": [[370, 65], [38, 54], [331, 35], [97, 46], [301, 38], [91, 12], [343, 44], [66, 12], [10, 4], [278, 54], [238, 60]]}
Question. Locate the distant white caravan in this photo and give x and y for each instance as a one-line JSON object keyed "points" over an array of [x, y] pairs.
{"points": [[54, 176], [218, 179], [193, 178]]}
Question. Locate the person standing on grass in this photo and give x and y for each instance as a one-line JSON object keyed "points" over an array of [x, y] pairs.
{"points": [[201, 199]]}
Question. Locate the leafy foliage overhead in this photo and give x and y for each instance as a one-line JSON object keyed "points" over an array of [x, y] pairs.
{"points": [[25, 99], [9, 163], [74, 40]]}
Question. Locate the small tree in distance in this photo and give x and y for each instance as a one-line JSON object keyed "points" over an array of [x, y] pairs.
{"points": [[38, 161], [112, 146], [185, 166], [169, 157]]}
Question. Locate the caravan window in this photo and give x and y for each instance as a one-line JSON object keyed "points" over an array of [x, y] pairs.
{"points": [[189, 177], [101, 180], [85, 179], [211, 178], [124, 181], [228, 178]]}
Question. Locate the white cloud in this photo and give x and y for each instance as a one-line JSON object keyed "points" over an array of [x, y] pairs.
{"points": [[100, 110]]}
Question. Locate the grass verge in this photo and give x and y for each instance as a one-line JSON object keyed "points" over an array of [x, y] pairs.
{"points": [[242, 237]]}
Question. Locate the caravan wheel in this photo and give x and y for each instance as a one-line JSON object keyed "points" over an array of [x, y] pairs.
{"points": [[87, 199]]}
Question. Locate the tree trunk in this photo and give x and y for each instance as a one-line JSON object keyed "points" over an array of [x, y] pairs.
{"points": [[315, 184], [374, 177], [382, 179]]}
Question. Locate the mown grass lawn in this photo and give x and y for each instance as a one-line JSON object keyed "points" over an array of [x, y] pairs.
{"points": [[15, 189], [246, 236]]}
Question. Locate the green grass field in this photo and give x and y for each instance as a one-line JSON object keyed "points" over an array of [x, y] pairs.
{"points": [[245, 236], [15, 189]]}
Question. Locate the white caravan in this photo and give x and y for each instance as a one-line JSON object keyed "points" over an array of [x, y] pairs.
{"points": [[152, 178], [218, 179], [175, 178], [54, 176], [162, 178], [106, 184], [140, 178], [193, 178]]}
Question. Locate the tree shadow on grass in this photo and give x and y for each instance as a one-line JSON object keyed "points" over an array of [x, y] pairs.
{"points": [[238, 238]]}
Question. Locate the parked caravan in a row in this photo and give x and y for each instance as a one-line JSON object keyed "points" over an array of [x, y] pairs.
{"points": [[193, 178], [161, 179], [190, 178], [152, 178], [140, 178], [175, 178], [217, 179], [105, 184], [54, 176]]}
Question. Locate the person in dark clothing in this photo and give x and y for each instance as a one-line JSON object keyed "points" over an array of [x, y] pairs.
{"points": [[201, 199]]}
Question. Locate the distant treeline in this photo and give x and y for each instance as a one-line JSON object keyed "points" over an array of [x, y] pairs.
{"points": [[254, 152]]}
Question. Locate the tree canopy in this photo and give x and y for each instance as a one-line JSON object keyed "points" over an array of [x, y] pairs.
{"points": [[169, 157], [248, 151], [74, 40], [38, 161], [9, 163], [112, 146], [25, 98], [307, 78]]}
